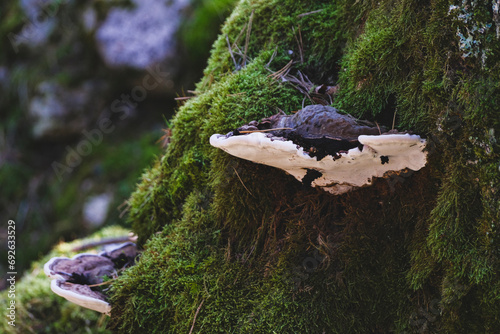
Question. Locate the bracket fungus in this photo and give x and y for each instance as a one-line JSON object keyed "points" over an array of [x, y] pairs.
{"points": [[77, 279], [325, 149]]}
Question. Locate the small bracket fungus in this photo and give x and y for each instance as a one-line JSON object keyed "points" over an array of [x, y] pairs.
{"points": [[77, 279], [323, 148]]}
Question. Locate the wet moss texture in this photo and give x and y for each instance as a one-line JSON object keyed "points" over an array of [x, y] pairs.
{"points": [[236, 247]]}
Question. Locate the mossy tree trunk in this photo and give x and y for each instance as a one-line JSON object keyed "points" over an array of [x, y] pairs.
{"points": [[232, 246]]}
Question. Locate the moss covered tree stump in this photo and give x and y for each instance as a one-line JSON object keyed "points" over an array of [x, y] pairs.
{"points": [[236, 247]]}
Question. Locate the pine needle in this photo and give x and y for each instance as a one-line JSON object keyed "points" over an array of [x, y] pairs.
{"points": [[242, 182], [283, 72], [231, 52], [99, 284], [299, 43], [247, 40]]}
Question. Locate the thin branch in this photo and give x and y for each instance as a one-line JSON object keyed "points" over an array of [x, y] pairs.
{"points": [[266, 130], [309, 13], [183, 98], [247, 40], [195, 315], [105, 241]]}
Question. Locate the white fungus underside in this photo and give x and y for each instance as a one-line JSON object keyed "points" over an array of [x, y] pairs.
{"points": [[75, 297], [79, 298], [79, 294], [356, 168]]}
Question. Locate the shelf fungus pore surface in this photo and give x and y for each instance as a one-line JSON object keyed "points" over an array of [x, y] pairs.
{"points": [[325, 149]]}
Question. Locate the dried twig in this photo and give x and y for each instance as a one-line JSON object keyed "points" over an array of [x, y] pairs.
{"points": [[195, 315], [105, 241], [234, 48], [302, 84], [247, 40], [321, 94], [266, 130], [299, 44], [183, 98], [305, 79], [99, 284], [309, 13], [283, 72]]}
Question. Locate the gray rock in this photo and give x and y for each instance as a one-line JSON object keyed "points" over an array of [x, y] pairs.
{"points": [[141, 36], [39, 23], [89, 19], [58, 111], [95, 209]]}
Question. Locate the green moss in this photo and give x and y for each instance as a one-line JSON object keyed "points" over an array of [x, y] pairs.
{"points": [[394, 71], [249, 92], [232, 246]]}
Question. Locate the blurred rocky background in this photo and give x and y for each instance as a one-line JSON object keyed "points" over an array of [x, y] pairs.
{"points": [[86, 92]]}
